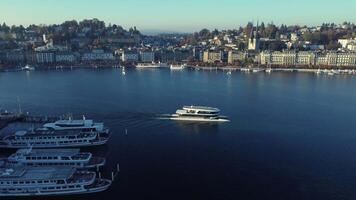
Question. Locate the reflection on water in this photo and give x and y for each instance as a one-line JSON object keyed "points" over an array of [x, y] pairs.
{"points": [[198, 127]]}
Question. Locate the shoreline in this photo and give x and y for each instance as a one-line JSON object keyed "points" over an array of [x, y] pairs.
{"points": [[338, 70]]}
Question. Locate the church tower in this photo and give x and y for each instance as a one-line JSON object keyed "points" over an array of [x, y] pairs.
{"points": [[254, 40]]}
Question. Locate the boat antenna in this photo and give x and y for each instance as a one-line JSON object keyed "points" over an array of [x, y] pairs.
{"points": [[83, 117]]}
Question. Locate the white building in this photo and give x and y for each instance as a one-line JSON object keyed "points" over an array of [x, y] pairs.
{"points": [[287, 58]]}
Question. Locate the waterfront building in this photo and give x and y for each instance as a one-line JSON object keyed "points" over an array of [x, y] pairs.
{"points": [[167, 56], [308, 58], [45, 57], [181, 55], [14, 57], [98, 55], [285, 58], [305, 58], [198, 53], [30, 57], [65, 57], [346, 59], [147, 56], [129, 56], [212, 56], [235, 56]]}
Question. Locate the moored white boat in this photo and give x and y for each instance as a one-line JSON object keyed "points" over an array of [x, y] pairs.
{"points": [[70, 124], [52, 157], [49, 181], [28, 68], [148, 65], [177, 67], [55, 139]]}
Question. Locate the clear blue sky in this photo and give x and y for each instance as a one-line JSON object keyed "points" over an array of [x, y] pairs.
{"points": [[178, 15]]}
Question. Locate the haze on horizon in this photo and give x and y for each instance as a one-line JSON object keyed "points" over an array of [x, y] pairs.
{"points": [[178, 15]]}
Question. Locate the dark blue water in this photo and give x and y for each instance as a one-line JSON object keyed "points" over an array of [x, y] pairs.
{"points": [[291, 135]]}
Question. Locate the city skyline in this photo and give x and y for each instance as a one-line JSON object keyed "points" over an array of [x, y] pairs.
{"points": [[177, 16]]}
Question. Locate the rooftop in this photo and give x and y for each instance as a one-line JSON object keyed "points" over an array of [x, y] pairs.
{"points": [[36, 173]]}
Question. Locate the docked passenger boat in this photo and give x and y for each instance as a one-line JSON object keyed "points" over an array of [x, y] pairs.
{"points": [[48, 181], [83, 124], [199, 114], [52, 157], [55, 139], [28, 68], [177, 67], [148, 65]]}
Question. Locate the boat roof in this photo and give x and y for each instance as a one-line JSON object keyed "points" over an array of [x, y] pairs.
{"points": [[48, 152], [80, 121], [25, 173], [202, 108], [47, 133]]}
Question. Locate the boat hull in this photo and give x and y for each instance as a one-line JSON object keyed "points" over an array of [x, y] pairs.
{"points": [[194, 119], [103, 184], [6, 145]]}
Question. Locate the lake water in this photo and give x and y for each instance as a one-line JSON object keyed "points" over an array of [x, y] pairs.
{"points": [[291, 135]]}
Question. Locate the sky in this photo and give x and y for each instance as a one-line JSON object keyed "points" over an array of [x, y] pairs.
{"points": [[178, 15]]}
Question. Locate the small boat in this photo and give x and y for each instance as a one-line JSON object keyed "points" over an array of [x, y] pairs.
{"points": [[198, 114], [123, 72], [269, 70], [52, 157], [55, 139], [318, 71], [245, 69], [177, 67], [28, 68], [229, 73], [256, 70], [49, 181]]}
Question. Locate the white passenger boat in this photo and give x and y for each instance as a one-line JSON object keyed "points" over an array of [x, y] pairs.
{"points": [[45, 181], [199, 114], [268, 70], [55, 139], [52, 157], [177, 67], [28, 68], [148, 65], [83, 124], [256, 70], [245, 69]]}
